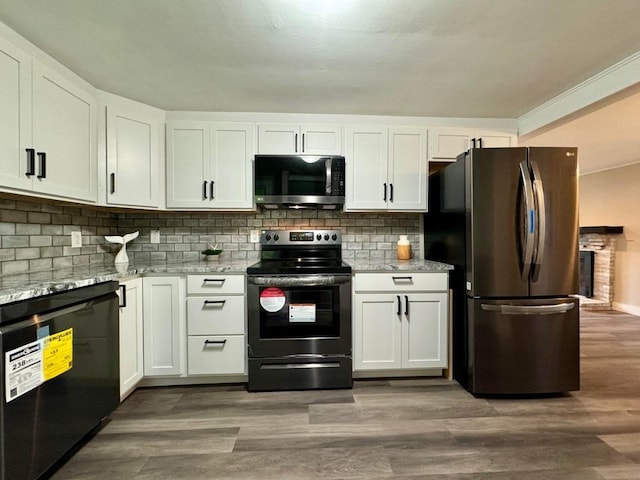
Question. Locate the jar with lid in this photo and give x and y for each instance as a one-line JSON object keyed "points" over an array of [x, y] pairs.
{"points": [[404, 248]]}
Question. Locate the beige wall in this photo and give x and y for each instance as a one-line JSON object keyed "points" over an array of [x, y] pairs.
{"points": [[612, 197]]}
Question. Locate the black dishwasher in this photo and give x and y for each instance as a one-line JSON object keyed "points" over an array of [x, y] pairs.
{"points": [[60, 375]]}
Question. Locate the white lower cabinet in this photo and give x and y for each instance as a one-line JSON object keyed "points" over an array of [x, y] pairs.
{"points": [[131, 349], [216, 343], [163, 299], [400, 321]]}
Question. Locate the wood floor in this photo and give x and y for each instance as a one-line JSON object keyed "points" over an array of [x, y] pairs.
{"points": [[383, 430]]}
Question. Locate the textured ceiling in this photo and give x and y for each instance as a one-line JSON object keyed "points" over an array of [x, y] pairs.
{"points": [[442, 58], [458, 58]]}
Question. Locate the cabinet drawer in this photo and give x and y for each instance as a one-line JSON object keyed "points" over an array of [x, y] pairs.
{"points": [[215, 315], [401, 281], [215, 355], [215, 284]]}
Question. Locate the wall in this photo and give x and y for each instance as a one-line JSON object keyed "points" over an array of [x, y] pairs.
{"points": [[35, 234], [611, 198]]}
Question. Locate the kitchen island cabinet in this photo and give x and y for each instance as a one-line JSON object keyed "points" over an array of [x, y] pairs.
{"points": [[400, 321]]}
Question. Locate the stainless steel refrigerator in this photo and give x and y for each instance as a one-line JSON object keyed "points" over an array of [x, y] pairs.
{"points": [[507, 219]]}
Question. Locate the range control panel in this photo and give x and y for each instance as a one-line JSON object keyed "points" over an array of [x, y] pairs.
{"points": [[301, 237]]}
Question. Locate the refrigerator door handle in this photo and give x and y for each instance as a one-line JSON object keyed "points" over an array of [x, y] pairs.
{"points": [[538, 190], [530, 219], [528, 309]]}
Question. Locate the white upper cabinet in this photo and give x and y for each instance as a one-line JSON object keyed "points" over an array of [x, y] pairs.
{"points": [[445, 144], [386, 168], [282, 138], [209, 165], [134, 152], [48, 143]]}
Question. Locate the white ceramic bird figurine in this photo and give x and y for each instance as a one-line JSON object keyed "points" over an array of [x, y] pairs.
{"points": [[122, 256]]}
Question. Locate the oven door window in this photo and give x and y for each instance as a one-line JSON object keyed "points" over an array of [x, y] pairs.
{"points": [[299, 312]]}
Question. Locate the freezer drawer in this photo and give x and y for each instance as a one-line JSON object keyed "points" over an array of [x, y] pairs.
{"points": [[520, 347]]}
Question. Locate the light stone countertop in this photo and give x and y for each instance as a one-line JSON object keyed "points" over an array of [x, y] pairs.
{"points": [[24, 286]]}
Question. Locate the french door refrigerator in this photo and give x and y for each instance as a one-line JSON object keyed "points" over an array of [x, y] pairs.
{"points": [[507, 219]]}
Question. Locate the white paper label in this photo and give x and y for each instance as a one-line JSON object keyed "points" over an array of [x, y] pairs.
{"points": [[468, 285], [302, 313], [23, 369], [272, 299]]}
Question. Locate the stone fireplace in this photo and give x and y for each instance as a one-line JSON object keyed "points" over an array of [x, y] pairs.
{"points": [[602, 242]]}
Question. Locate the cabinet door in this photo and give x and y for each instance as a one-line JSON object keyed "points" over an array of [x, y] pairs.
{"points": [[188, 164], [424, 330], [377, 341], [15, 116], [131, 346], [231, 165], [64, 129], [133, 155], [321, 139], [496, 139], [163, 326], [445, 144], [407, 169], [278, 138], [366, 162]]}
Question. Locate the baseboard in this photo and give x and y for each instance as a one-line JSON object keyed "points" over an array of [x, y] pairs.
{"points": [[623, 307]]}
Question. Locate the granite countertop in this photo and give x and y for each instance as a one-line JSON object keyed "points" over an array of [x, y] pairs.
{"points": [[24, 286], [413, 265]]}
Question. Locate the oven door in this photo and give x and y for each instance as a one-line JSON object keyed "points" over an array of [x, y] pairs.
{"points": [[299, 315]]}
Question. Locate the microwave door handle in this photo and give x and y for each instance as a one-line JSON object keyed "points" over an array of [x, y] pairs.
{"points": [[327, 166]]}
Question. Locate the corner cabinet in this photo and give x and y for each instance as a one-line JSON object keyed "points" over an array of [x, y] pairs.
{"points": [[48, 130], [283, 138], [209, 165], [131, 340], [163, 300], [445, 144], [400, 321], [386, 168], [131, 143]]}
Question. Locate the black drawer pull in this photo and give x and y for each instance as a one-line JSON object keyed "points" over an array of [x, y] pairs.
{"points": [[401, 278], [214, 302], [218, 280], [214, 342]]}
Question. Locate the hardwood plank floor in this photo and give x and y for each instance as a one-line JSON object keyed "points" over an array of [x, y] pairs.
{"points": [[429, 429]]}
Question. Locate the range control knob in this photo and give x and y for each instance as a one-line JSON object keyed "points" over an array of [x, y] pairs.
{"points": [[334, 237], [276, 237], [318, 237], [268, 236], [326, 236]]}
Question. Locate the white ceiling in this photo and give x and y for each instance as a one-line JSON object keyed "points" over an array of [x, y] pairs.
{"points": [[442, 58]]}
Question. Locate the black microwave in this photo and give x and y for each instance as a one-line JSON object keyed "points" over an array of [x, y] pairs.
{"points": [[299, 181]]}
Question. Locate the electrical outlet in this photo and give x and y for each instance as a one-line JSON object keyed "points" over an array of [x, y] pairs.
{"points": [[76, 239], [155, 236], [255, 236]]}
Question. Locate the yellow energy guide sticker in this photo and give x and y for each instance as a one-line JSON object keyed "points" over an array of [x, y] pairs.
{"points": [[57, 354]]}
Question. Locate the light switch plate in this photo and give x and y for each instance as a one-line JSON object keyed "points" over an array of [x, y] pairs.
{"points": [[76, 239], [155, 236], [255, 236]]}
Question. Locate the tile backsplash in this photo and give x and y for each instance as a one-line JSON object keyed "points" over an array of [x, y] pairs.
{"points": [[36, 235]]}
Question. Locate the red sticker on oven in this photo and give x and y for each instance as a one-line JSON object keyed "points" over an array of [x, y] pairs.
{"points": [[272, 299]]}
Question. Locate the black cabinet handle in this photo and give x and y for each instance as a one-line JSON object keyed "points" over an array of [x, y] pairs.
{"points": [[31, 162], [406, 305], [480, 143], [211, 197], [112, 183], [43, 165], [384, 196], [391, 192], [399, 312], [214, 302], [473, 143], [214, 342], [204, 190], [401, 278], [219, 280], [295, 143], [303, 142], [123, 296]]}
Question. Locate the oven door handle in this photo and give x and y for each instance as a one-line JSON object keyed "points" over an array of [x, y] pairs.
{"points": [[299, 281]]}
